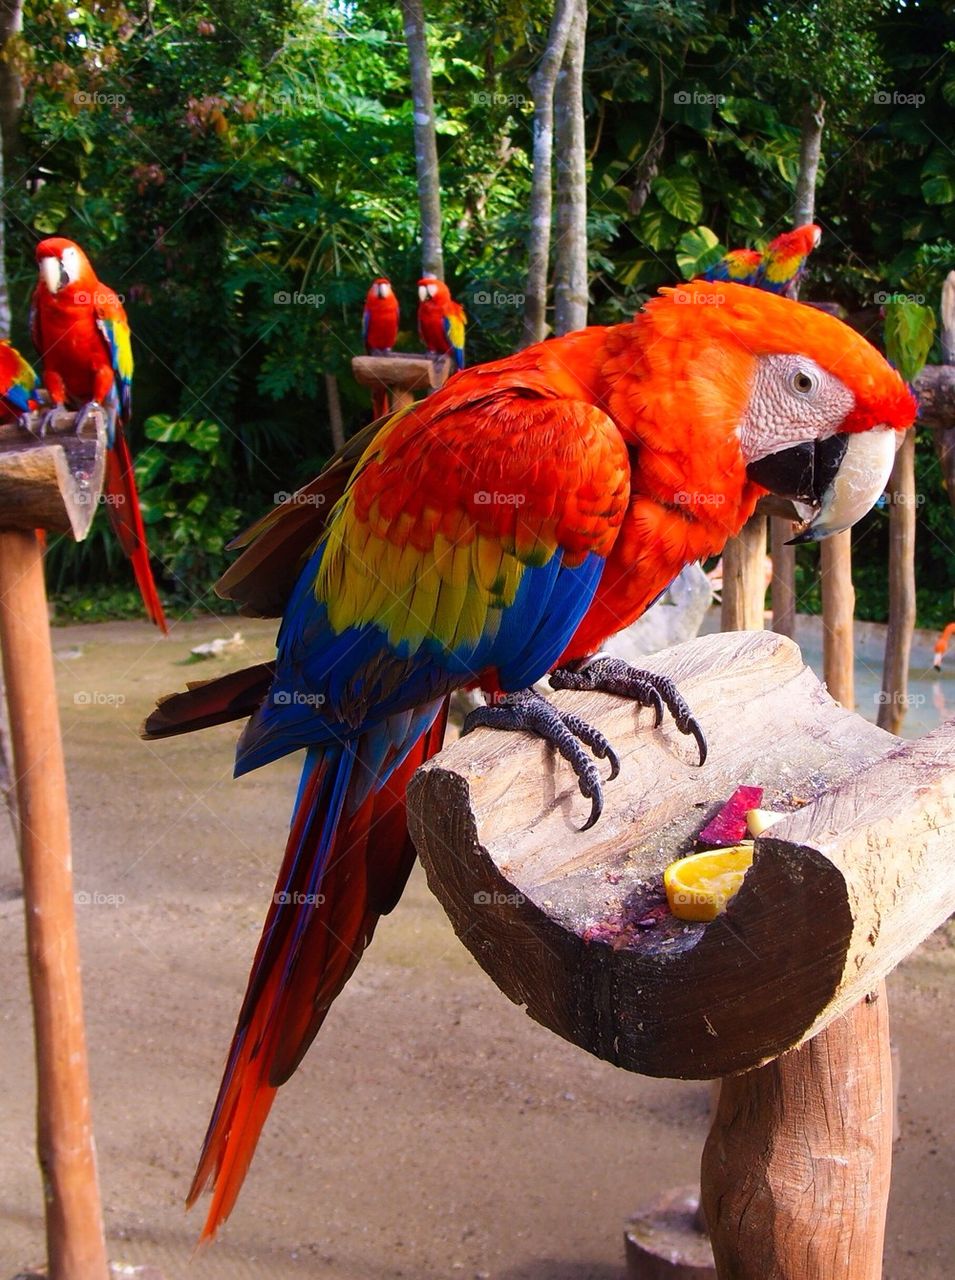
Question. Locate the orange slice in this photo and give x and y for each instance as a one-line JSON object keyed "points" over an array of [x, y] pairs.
{"points": [[700, 886]]}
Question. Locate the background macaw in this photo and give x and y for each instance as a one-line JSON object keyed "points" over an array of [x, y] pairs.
{"points": [[739, 265], [379, 328], [379, 322], [80, 329], [441, 320], [776, 270], [19, 384], [498, 530]]}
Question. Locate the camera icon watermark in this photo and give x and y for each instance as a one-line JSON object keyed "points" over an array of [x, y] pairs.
{"points": [[293, 298], [298, 698], [883, 98]]}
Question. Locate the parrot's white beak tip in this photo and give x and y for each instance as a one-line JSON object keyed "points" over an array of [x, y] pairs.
{"points": [[423, 294], [857, 485], [50, 273]]}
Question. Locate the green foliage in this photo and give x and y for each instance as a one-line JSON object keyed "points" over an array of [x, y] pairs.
{"points": [[909, 331], [240, 170]]}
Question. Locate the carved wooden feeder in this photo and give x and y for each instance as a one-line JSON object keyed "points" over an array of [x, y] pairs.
{"points": [[50, 484], [570, 925], [399, 374]]}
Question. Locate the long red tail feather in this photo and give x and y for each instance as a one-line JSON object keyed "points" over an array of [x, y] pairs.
{"points": [[122, 505], [303, 962]]}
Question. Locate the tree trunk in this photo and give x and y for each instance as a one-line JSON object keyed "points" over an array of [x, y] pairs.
{"points": [[898, 640], [804, 210], [570, 259], [425, 138], [335, 420], [542, 84], [810, 150]]}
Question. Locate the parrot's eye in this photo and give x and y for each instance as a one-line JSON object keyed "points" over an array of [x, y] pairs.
{"points": [[803, 382]]}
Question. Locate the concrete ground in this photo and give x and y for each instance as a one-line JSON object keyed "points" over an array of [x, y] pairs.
{"points": [[433, 1131]]}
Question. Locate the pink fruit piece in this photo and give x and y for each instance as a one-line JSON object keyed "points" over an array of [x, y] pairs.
{"points": [[729, 825]]}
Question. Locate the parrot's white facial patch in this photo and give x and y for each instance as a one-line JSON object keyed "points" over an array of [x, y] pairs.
{"points": [[792, 400], [70, 261], [384, 289], [57, 273]]}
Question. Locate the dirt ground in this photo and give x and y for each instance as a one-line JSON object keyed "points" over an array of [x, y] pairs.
{"points": [[433, 1131]]}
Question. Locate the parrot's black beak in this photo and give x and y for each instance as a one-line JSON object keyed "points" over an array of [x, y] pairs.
{"points": [[839, 478]]}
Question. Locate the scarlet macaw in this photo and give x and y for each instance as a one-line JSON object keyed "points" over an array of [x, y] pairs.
{"points": [[441, 320], [19, 384], [777, 270], [498, 530], [80, 329], [785, 259], [379, 328], [379, 323]]}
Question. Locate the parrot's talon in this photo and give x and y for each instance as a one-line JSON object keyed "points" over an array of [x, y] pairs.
{"points": [[566, 732], [93, 406], [646, 688], [47, 420]]}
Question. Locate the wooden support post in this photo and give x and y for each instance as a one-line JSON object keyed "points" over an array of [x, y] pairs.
{"points": [[54, 484], [838, 610], [74, 1224], [796, 1169], [893, 699], [744, 578], [784, 577]]}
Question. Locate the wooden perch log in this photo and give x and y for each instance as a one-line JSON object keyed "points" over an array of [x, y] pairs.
{"points": [[401, 373], [52, 482], [563, 921]]}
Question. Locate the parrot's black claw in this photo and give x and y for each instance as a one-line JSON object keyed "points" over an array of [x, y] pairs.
{"points": [[646, 688], [530, 711]]}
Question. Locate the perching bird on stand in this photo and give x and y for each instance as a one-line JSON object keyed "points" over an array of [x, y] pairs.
{"points": [[497, 531], [80, 329]]}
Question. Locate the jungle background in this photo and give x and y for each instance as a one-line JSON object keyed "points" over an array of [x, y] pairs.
{"points": [[239, 171]]}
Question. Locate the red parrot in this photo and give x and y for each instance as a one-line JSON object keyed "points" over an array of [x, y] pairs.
{"points": [[19, 385], [441, 320], [784, 260], [498, 530], [379, 327], [777, 270], [80, 329]]}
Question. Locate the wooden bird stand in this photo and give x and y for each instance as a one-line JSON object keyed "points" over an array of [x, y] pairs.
{"points": [[51, 484], [574, 925], [400, 374]]}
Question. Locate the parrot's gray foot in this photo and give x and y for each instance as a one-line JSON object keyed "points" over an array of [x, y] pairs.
{"points": [[47, 420], [530, 711], [92, 407], [646, 688]]}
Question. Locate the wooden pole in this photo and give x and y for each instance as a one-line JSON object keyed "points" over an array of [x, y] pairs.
{"points": [[898, 639], [784, 577], [74, 1223], [744, 578], [838, 608], [796, 1170]]}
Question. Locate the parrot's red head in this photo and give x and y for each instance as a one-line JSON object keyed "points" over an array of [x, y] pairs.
{"points": [[772, 392], [795, 244], [63, 265], [380, 288], [430, 287]]}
